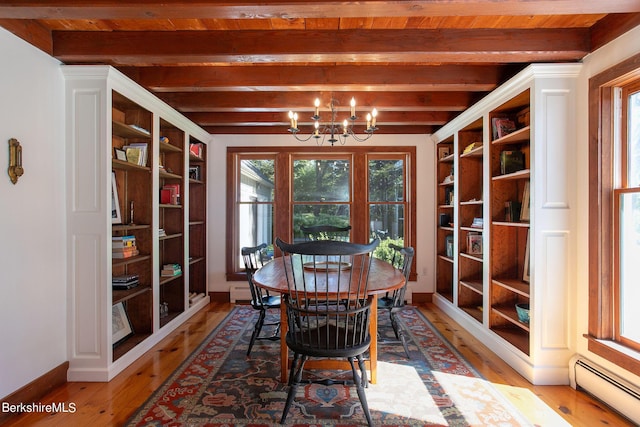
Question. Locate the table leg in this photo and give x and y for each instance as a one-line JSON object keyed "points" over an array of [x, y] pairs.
{"points": [[373, 349], [284, 351]]}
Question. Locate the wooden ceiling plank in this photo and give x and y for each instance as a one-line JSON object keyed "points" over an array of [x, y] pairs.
{"points": [[337, 78], [31, 32], [184, 9], [436, 46]]}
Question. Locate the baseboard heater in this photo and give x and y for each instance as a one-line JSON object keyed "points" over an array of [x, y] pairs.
{"points": [[239, 293], [607, 386]]}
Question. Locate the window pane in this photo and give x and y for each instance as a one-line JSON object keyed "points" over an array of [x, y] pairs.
{"points": [[319, 214], [321, 181], [634, 141], [256, 181], [255, 225], [386, 180], [387, 221], [629, 266]]}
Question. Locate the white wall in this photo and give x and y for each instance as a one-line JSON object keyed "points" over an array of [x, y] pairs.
{"points": [[425, 180], [32, 216], [607, 56]]}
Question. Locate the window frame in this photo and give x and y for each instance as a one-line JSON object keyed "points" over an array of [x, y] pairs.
{"points": [[604, 176], [283, 205]]}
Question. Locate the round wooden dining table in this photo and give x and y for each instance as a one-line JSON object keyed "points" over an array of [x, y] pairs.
{"points": [[383, 278]]}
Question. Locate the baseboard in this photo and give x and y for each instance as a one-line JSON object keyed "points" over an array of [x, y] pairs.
{"points": [[219, 296], [36, 389]]}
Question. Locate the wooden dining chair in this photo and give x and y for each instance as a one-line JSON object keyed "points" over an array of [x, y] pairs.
{"points": [[328, 310], [260, 299], [395, 302], [326, 232]]}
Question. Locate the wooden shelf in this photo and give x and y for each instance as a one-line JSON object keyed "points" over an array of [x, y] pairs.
{"points": [[169, 206], [167, 279], [122, 165], [170, 236], [521, 174], [475, 153], [131, 260], [517, 137], [474, 285], [127, 345], [124, 295], [126, 131], [165, 147], [514, 285], [515, 336], [163, 174], [473, 311], [511, 224], [447, 159]]}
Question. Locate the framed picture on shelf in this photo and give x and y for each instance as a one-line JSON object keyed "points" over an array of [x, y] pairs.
{"points": [[121, 326], [443, 152], [116, 217], [527, 264], [120, 154], [474, 244]]}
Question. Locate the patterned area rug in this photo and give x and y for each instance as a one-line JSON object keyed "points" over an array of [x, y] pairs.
{"points": [[219, 386]]}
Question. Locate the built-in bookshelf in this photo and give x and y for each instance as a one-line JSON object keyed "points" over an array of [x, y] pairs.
{"points": [[137, 222], [513, 200], [445, 217], [470, 222]]}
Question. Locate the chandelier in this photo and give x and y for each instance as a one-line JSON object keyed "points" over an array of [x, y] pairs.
{"points": [[335, 131]]}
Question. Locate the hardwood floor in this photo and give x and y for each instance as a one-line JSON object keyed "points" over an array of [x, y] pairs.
{"points": [[111, 404]]}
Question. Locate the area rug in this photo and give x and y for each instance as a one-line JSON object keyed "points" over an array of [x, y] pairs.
{"points": [[218, 385]]}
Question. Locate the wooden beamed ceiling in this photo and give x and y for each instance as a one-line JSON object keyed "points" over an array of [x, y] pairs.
{"points": [[239, 67]]}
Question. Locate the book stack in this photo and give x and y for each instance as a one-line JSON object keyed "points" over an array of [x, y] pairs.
{"points": [[171, 270], [126, 281], [478, 222], [123, 247], [136, 153]]}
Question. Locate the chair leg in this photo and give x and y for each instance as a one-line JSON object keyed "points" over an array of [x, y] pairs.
{"points": [[256, 330], [294, 380], [363, 369], [360, 389], [404, 344]]}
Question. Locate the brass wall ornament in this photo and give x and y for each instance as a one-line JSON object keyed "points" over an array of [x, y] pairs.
{"points": [[15, 160]]}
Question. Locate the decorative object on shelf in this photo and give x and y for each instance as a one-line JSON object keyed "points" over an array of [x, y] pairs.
{"points": [[444, 151], [194, 172], [445, 219], [120, 154], [523, 312], [116, 217], [15, 160], [449, 245], [471, 147], [164, 310], [336, 132], [527, 264], [474, 243], [196, 149], [136, 153], [120, 324]]}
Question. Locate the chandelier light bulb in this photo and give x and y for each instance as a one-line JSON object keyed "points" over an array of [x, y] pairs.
{"points": [[353, 108], [317, 110], [374, 114]]}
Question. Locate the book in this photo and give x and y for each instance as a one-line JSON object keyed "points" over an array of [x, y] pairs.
{"points": [[174, 194], [511, 161], [511, 211], [125, 278], [123, 255], [471, 147], [502, 126], [526, 203], [123, 241], [196, 149], [142, 147]]}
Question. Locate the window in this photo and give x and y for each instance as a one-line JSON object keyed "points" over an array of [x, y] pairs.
{"points": [[321, 192], [273, 193], [614, 214]]}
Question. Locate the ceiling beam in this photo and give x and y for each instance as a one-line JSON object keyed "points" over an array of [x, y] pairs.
{"points": [[321, 46], [385, 118], [274, 130], [198, 9], [303, 101], [363, 78]]}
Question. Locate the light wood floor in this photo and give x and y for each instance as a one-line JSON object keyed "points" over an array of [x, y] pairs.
{"points": [[111, 404]]}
